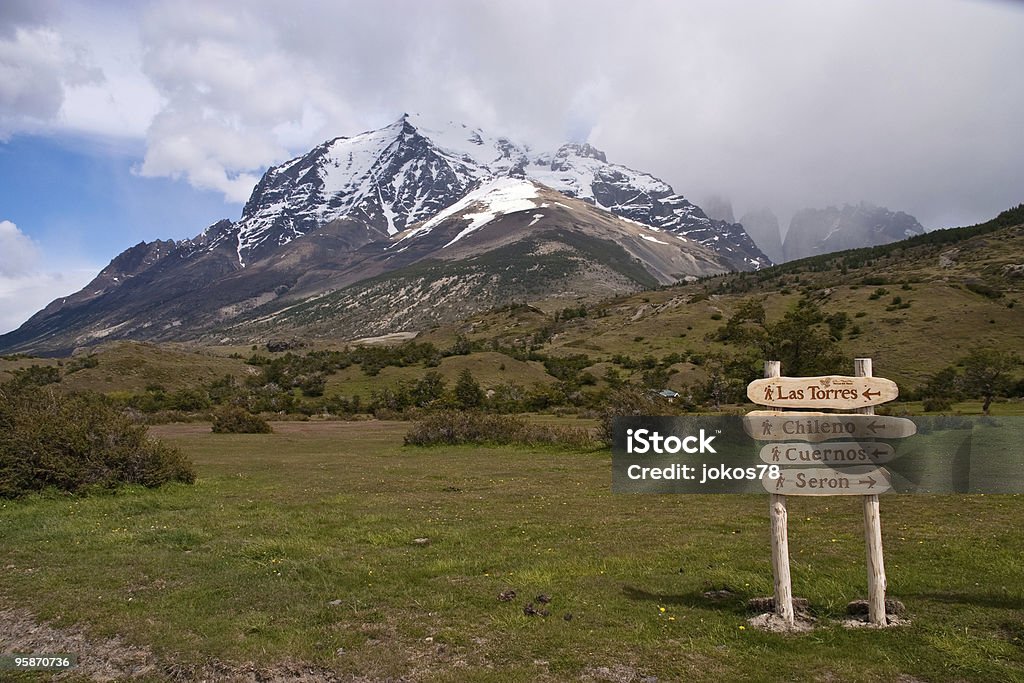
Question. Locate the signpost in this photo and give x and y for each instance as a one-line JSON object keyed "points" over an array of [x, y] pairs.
{"points": [[825, 481], [826, 468], [832, 391], [829, 453], [775, 425]]}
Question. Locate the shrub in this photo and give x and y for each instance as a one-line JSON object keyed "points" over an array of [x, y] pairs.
{"points": [[878, 293], [81, 363], [76, 443], [630, 401], [936, 404], [36, 375], [470, 427], [984, 289], [236, 420]]}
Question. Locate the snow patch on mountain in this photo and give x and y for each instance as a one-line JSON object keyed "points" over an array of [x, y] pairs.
{"points": [[481, 206], [503, 196]]}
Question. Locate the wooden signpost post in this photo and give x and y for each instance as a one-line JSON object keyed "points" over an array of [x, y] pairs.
{"points": [[827, 468]]}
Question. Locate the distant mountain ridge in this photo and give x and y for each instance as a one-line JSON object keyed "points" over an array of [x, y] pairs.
{"points": [[373, 206], [821, 231]]}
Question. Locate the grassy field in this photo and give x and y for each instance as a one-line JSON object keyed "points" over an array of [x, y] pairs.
{"points": [[132, 366], [298, 546]]}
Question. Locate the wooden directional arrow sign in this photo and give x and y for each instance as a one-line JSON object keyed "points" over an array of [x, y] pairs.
{"points": [[774, 425], [830, 453], [825, 481], [832, 391]]}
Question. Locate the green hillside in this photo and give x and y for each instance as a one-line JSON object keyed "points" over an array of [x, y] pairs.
{"points": [[915, 307]]}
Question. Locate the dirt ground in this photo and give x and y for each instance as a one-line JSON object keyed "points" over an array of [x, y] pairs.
{"points": [[112, 659]]}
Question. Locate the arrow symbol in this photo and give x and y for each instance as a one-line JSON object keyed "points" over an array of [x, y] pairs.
{"points": [[874, 426], [867, 394], [870, 481], [877, 453]]}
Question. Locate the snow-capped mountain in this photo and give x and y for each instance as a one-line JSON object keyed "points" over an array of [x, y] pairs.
{"points": [[820, 231], [387, 179], [375, 205], [409, 171]]}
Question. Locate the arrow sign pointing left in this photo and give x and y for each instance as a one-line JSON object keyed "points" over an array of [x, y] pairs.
{"points": [[828, 391], [774, 425], [834, 453]]}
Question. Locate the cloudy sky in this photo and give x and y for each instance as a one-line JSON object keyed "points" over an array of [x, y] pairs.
{"points": [[122, 122]]}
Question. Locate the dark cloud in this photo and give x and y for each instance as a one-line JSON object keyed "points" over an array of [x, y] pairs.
{"points": [[21, 13]]}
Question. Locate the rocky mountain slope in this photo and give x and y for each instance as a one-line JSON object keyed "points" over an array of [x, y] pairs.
{"points": [[763, 227], [368, 208], [820, 231]]}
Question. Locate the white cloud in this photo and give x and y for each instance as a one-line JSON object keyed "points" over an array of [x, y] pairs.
{"points": [[76, 68], [790, 104], [25, 285], [36, 66], [18, 253]]}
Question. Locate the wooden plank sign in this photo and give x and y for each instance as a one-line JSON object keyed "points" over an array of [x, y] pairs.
{"points": [[832, 391], [774, 425], [825, 481], [830, 453]]}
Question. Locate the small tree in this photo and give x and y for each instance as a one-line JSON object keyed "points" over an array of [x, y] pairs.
{"points": [[428, 389], [656, 378], [468, 393], [987, 373], [612, 378], [801, 346], [728, 377], [941, 390]]}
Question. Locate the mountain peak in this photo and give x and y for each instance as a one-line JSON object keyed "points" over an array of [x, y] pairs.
{"points": [[585, 150], [407, 172], [819, 231]]}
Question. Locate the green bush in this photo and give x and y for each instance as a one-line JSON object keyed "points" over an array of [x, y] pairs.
{"points": [[984, 289], [937, 404], [81, 363], [36, 375], [471, 427], [76, 443], [236, 420], [631, 401]]}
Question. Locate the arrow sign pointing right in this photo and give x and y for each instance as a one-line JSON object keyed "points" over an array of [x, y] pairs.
{"points": [[825, 481]]}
